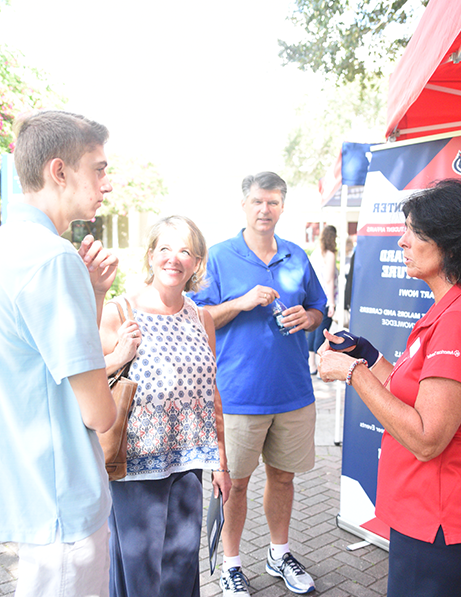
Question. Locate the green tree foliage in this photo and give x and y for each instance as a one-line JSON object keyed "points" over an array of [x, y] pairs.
{"points": [[351, 39], [136, 185], [118, 286], [349, 45], [330, 115], [22, 88]]}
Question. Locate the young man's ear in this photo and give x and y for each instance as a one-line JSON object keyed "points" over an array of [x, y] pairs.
{"points": [[56, 170]]}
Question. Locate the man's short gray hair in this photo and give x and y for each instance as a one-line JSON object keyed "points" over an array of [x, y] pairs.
{"points": [[269, 181]]}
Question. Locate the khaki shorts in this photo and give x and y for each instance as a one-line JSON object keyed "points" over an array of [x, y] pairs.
{"points": [[285, 441], [62, 569]]}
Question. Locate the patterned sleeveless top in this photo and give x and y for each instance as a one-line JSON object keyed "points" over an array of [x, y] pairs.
{"points": [[172, 425]]}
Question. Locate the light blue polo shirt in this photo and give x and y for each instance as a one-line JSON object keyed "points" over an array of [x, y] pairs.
{"points": [[260, 371], [52, 466]]}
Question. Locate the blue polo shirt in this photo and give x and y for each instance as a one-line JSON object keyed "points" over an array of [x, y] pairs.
{"points": [[52, 466], [260, 371]]}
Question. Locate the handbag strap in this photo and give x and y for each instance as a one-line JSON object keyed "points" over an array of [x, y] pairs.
{"points": [[123, 371], [126, 313], [128, 308]]}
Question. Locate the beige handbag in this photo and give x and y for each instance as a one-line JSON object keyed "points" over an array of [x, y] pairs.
{"points": [[114, 441]]}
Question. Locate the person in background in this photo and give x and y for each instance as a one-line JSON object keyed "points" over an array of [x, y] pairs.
{"points": [[349, 252], [263, 375], [418, 401], [175, 429], [350, 261], [323, 260], [54, 395]]}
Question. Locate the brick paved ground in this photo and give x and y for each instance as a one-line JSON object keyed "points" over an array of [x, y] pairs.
{"points": [[8, 568], [314, 536]]}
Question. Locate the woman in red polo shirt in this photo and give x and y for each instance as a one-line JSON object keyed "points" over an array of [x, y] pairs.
{"points": [[418, 401]]}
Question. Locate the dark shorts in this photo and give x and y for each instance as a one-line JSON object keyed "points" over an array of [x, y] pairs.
{"points": [[420, 569]]}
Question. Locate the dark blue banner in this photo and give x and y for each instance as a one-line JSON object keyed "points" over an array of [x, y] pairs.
{"points": [[385, 306]]}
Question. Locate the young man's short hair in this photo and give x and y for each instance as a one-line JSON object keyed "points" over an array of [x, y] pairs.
{"points": [[49, 134]]}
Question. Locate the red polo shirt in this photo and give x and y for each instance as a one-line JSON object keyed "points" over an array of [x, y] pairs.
{"points": [[415, 497]]}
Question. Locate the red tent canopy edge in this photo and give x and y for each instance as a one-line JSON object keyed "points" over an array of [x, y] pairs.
{"points": [[435, 43]]}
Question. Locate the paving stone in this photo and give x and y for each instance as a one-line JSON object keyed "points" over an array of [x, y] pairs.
{"points": [[355, 589], [321, 541], [379, 570], [324, 567], [380, 586], [349, 557], [5, 575], [335, 592], [357, 575], [376, 555], [328, 551], [328, 581], [8, 589]]}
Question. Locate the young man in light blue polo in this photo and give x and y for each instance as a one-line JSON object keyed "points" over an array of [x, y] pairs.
{"points": [[54, 396]]}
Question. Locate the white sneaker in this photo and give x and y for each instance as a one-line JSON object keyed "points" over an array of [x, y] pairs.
{"points": [[234, 582], [293, 573]]}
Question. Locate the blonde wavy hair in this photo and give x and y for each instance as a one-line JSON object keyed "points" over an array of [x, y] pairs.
{"points": [[195, 240]]}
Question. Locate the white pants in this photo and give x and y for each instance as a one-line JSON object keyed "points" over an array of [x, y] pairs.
{"points": [[79, 569]]}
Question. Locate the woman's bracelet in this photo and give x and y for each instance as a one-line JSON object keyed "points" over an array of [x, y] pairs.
{"points": [[352, 367], [220, 470]]}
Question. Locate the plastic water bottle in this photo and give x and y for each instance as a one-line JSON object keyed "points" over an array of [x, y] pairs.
{"points": [[277, 308]]}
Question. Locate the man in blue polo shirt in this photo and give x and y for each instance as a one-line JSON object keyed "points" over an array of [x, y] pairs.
{"points": [[263, 375], [54, 396]]}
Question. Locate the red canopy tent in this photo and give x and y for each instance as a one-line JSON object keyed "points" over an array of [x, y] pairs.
{"points": [[425, 88]]}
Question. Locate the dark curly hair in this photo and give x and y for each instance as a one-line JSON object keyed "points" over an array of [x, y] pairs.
{"points": [[435, 215]]}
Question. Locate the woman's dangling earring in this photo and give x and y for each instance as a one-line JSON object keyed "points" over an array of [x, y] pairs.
{"points": [[194, 278]]}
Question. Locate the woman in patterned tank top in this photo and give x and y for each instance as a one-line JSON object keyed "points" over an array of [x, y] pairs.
{"points": [[175, 430]]}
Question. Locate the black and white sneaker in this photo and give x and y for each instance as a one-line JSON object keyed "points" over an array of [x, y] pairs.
{"points": [[293, 573], [234, 582]]}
